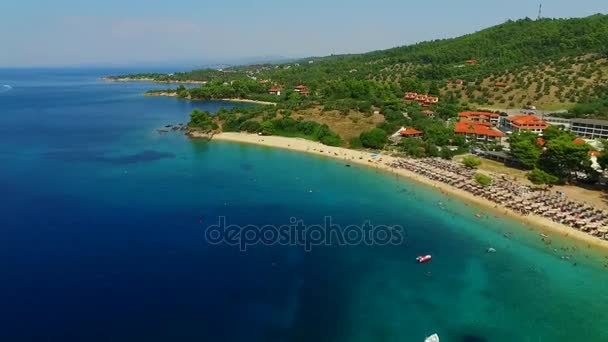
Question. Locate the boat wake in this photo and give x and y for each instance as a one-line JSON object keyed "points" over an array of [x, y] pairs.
{"points": [[5, 88]]}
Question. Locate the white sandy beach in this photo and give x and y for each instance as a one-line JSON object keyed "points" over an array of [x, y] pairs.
{"points": [[382, 161], [251, 101]]}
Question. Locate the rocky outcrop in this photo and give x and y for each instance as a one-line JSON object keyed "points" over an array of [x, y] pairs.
{"points": [[196, 134]]}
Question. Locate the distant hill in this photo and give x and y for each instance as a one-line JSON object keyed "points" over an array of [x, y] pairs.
{"points": [[548, 63]]}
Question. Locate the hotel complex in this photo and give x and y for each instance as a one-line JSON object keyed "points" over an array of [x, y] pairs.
{"points": [[529, 123]]}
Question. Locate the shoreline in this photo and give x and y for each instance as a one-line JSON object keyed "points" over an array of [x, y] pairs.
{"points": [[150, 80], [363, 158], [174, 94], [265, 103]]}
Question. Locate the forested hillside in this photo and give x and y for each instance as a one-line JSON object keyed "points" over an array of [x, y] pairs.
{"points": [[550, 63]]}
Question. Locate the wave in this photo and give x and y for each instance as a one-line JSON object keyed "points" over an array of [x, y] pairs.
{"points": [[5, 88]]}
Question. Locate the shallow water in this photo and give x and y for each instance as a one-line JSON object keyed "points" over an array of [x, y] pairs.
{"points": [[102, 238]]}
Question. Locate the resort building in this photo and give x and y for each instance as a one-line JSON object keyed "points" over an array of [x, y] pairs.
{"points": [[410, 133], [422, 99], [274, 91], [589, 128], [528, 123], [480, 117], [300, 88], [555, 121], [405, 133], [479, 132], [428, 113]]}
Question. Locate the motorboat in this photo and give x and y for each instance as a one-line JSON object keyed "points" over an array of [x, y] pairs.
{"points": [[423, 258], [432, 338]]}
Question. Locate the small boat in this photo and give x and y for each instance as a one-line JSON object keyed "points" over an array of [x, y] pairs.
{"points": [[423, 258], [478, 215], [432, 338]]}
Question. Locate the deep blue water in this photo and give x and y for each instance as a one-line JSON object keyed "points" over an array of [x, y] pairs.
{"points": [[102, 225]]}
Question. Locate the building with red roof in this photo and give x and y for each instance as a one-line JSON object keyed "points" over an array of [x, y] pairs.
{"points": [[299, 88], [529, 123], [500, 84], [579, 141], [410, 133], [540, 141], [428, 113], [471, 61], [478, 132], [480, 117], [423, 99], [274, 91]]}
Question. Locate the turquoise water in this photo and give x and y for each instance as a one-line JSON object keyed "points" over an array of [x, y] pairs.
{"points": [[102, 238]]}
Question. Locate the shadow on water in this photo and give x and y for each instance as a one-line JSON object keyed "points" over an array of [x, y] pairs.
{"points": [[472, 338], [246, 166], [87, 156]]}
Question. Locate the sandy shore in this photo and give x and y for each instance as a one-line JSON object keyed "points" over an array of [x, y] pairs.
{"points": [[381, 163], [174, 94], [266, 103]]}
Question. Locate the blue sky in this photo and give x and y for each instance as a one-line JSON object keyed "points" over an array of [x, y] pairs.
{"points": [[136, 32]]}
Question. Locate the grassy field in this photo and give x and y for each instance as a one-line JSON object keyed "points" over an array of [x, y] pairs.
{"points": [[347, 126], [497, 167]]}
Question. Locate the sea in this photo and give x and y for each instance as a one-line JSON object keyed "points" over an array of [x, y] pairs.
{"points": [[105, 236]]}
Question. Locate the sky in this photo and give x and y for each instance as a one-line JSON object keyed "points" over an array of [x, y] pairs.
{"points": [[162, 32]]}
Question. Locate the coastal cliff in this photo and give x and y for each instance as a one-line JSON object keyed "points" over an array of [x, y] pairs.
{"points": [[200, 135]]}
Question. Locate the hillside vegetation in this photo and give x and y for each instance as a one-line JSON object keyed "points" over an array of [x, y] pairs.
{"points": [[550, 84], [548, 63]]}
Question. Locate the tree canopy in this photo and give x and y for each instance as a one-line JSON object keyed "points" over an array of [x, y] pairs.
{"points": [[375, 138]]}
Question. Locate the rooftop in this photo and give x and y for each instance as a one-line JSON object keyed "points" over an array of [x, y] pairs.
{"points": [[469, 114], [528, 121], [477, 129], [590, 121], [410, 131]]}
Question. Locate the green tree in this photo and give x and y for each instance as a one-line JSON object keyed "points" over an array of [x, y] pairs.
{"points": [[202, 121], [267, 128], [471, 162], [374, 138], [413, 147], [482, 179], [538, 176], [434, 89], [525, 149], [563, 158], [555, 132]]}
